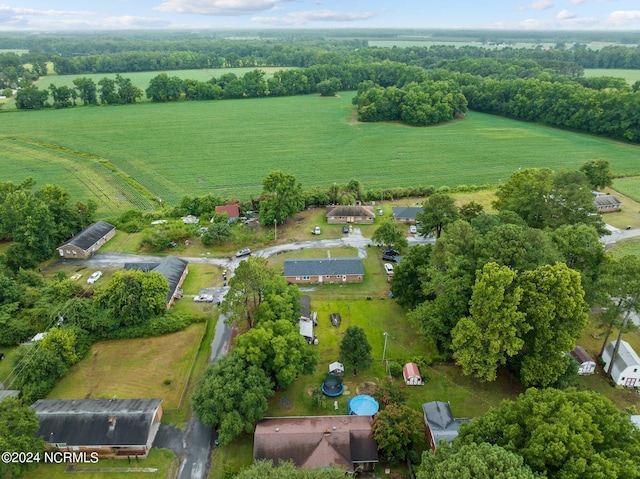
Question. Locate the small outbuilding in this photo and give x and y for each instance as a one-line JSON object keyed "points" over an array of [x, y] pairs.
{"points": [[336, 369], [441, 425], [586, 364], [88, 241], [232, 212], [626, 364], [411, 375]]}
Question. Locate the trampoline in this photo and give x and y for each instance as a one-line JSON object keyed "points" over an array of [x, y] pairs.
{"points": [[363, 405], [332, 387]]}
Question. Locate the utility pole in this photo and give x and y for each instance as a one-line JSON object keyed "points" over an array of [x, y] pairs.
{"points": [[384, 350]]}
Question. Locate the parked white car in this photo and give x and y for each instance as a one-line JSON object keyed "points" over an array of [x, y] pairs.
{"points": [[243, 252], [388, 267], [412, 229], [316, 231], [94, 277]]}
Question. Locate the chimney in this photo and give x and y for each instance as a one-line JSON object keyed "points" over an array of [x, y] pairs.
{"points": [[112, 423]]}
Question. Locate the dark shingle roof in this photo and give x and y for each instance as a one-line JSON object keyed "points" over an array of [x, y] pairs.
{"points": [[441, 421], [305, 306], [90, 235], [606, 200], [323, 266], [170, 267], [5, 393], [406, 212], [96, 422], [350, 210], [317, 441]]}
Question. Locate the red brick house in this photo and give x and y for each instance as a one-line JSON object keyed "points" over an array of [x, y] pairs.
{"points": [[324, 270], [88, 241]]}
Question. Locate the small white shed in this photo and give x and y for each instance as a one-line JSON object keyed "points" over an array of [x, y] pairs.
{"points": [[586, 363], [626, 364], [336, 368]]}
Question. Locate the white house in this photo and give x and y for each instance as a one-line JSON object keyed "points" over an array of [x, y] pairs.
{"points": [[626, 364], [586, 363]]}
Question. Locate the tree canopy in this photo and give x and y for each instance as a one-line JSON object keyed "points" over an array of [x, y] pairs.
{"points": [[281, 198], [355, 350], [231, 395], [18, 427], [437, 212], [563, 434]]}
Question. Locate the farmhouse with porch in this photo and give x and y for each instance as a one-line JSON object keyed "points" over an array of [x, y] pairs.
{"points": [[626, 365], [88, 241], [318, 441], [174, 270], [351, 214], [324, 270], [110, 427]]}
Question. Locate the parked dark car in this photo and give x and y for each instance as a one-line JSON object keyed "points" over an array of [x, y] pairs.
{"points": [[345, 229]]}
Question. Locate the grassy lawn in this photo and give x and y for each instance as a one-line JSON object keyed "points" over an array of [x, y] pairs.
{"points": [[631, 76], [629, 187], [628, 216], [624, 248], [123, 243], [139, 141], [163, 460], [134, 368], [6, 365], [233, 457]]}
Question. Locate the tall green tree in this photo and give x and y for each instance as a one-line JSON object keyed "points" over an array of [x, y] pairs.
{"points": [[18, 427], [355, 350], [598, 173], [278, 348], [390, 234], [494, 331], [231, 396], [410, 275], [282, 198], [133, 297], [437, 212], [395, 429], [556, 312], [561, 434], [246, 289], [87, 90], [478, 461]]}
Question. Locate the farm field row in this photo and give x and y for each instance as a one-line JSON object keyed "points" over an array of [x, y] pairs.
{"points": [[142, 79], [631, 76], [228, 147]]}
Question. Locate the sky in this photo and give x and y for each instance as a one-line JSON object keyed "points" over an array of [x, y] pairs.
{"points": [[48, 15]]}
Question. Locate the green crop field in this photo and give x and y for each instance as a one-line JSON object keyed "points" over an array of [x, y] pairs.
{"points": [[631, 76], [228, 147]]}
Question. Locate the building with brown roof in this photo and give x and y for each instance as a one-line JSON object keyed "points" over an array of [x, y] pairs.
{"points": [[232, 211], [351, 214], [317, 441]]}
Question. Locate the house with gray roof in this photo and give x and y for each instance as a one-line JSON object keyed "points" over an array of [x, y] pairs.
{"points": [[350, 214], [406, 214], [441, 425], [607, 203], [324, 270], [88, 241], [626, 364], [317, 441], [110, 427], [174, 270]]}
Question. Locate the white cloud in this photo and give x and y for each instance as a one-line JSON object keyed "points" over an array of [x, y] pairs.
{"points": [[19, 17], [565, 15], [576, 2], [541, 4], [623, 17], [218, 7], [301, 18], [128, 21]]}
